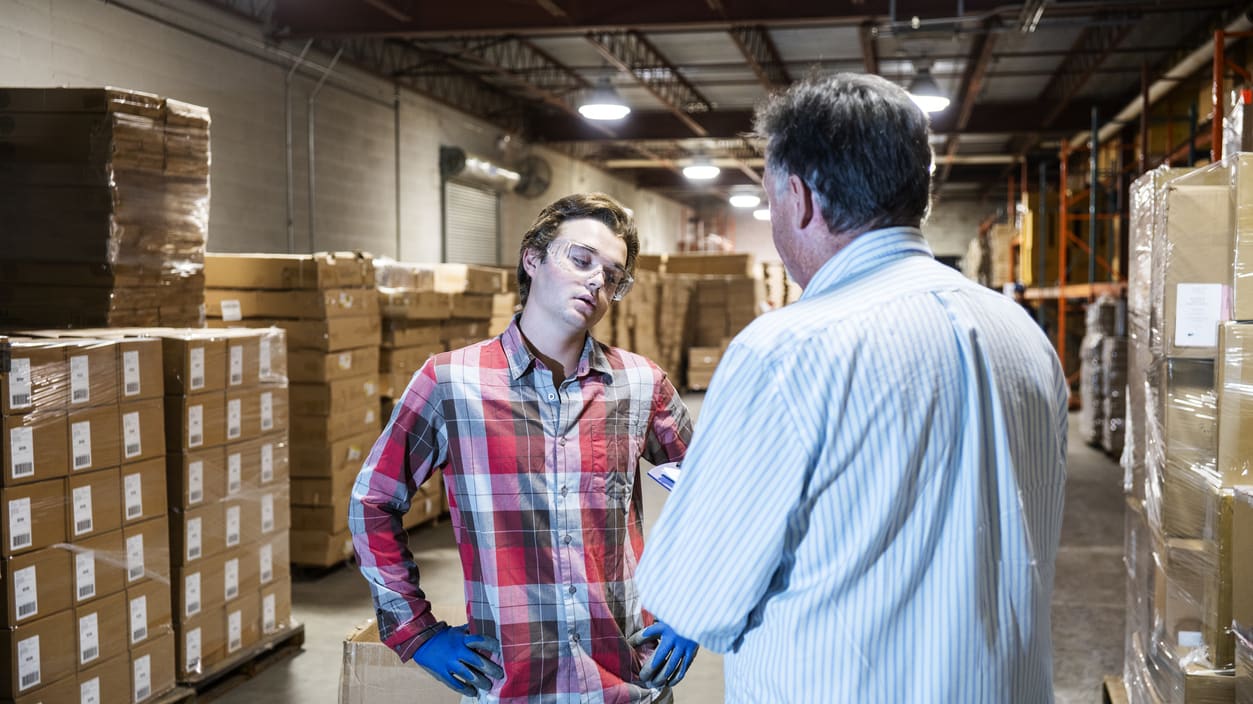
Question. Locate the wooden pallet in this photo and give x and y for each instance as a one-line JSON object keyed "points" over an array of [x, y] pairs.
{"points": [[245, 665], [178, 695], [1113, 691]]}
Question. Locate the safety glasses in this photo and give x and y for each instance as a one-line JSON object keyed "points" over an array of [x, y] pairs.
{"points": [[584, 261]]}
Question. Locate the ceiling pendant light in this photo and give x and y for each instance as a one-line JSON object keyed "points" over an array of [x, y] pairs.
{"points": [[761, 214], [701, 168], [604, 103], [926, 93], [744, 199]]}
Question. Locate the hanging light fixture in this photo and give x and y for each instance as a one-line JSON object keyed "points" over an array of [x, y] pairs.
{"points": [[761, 214], [701, 168], [604, 103], [926, 92], [744, 198]]}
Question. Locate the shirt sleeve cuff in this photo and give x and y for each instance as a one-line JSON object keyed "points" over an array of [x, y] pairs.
{"points": [[406, 640]]}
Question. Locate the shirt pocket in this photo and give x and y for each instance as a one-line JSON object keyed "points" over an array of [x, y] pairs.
{"points": [[615, 462]]}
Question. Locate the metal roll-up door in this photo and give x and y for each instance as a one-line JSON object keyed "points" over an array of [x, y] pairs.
{"points": [[471, 224]]}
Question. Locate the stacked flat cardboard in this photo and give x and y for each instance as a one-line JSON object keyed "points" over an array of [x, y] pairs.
{"points": [[104, 207], [1105, 319], [701, 362]]}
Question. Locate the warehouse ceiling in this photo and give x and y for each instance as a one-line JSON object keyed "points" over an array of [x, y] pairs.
{"points": [[1021, 76]]}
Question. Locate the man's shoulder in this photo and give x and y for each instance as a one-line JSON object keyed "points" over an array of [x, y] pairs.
{"points": [[484, 354]]}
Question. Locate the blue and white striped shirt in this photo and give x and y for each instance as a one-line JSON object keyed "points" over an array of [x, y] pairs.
{"points": [[870, 507]]}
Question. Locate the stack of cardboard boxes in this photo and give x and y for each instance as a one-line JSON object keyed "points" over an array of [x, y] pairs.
{"points": [[1105, 320], [328, 306], [106, 199], [84, 563]]}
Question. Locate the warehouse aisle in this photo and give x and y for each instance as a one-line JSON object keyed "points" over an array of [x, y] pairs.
{"points": [[1087, 615]]}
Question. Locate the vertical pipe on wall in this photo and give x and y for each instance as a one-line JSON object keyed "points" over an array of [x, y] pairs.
{"points": [[291, 186], [313, 96], [396, 126], [1093, 182]]}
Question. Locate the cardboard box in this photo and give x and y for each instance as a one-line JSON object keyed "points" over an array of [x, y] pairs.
{"points": [[147, 550], [239, 521], [201, 644], [197, 533], [241, 573], [33, 516], [199, 588], [142, 430], [327, 518], [196, 421], [372, 674], [273, 558], [107, 682], [468, 278], [273, 413], [152, 669], [149, 611], [289, 271], [335, 397], [256, 464], [37, 377], [1242, 557], [233, 305], [35, 584], [63, 690], [319, 548], [92, 368], [243, 357], [194, 362], [99, 565], [709, 264], [95, 438], [94, 503], [1235, 403], [274, 460], [1198, 234], [472, 306], [331, 335], [308, 460], [1189, 429], [143, 490], [407, 360], [140, 369], [407, 304], [273, 509], [400, 333], [314, 366], [276, 606], [34, 447], [243, 623], [325, 430], [101, 630], [38, 653], [195, 477], [243, 415]]}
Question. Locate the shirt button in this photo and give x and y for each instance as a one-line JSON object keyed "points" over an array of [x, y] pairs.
{"points": [[567, 540], [562, 442], [552, 397], [573, 589], [564, 490]]}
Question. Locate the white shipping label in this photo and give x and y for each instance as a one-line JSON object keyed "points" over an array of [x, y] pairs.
{"points": [[191, 643], [134, 557], [234, 418], [194, 548], [139, 618], [80, 444], [19, 384], [197, 368], [265, 366], [232, 311], [1198, 309], [89, 691], [370, 389], [133, 493], [266, 556], [267, 463], [26, 592], [195, 425], [80, 379], [195, 482], [191, 594], [85, 574], [267, 513], [237, 365], [130, 373], [370, 416], [268, 614], [27, 663], [354, 453], [19, 524], [231, 579], [232, 526], [88, 638], [83, 522], [267, 411], [345, 360], [234, 473], [234, 631], [142, 677], [22, 450], [131, 445]]}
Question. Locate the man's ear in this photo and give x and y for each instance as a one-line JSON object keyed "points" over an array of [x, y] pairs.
{"points": [[801, 200], [530, 260]]}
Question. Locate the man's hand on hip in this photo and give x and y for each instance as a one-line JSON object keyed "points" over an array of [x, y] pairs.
{"points": [[671, 659], [460, 660]]}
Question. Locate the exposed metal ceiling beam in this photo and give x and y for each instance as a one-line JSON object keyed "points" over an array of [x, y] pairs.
{"points": [[972, 82], [762, 55], [869, 38], [390, 10], [632, 53]]}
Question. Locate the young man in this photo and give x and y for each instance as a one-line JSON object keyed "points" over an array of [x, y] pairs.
{"points": [[539, 433], [871, 508]]}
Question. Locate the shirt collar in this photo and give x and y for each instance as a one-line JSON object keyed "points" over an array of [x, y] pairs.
{"points": [[867, 252], [521, 359]]}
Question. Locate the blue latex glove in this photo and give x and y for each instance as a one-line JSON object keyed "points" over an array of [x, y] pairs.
{"points": [[459, 660], [670, 661]]}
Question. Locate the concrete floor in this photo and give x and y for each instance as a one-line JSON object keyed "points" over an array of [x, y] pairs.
{"points": [[1088, 601]]}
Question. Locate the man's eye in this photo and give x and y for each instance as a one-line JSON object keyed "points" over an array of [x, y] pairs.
{"points": [[581, 257], [612, 278]]}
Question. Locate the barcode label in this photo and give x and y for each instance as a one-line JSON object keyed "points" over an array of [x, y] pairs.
{"points": [[139, 619], [90, 653], [234, 418], [130, 372], [234, 473], [22, 448], [88, 638], [133, 485], [345, 360], [19, 523], [232, 311], [197, 368], [82, 510], [80, 439], [267, 463], [267, 411], [265, 359], [134, 557], [89, 691], [193, 538], [232, 578], [142, 678], [195, 482], [267, 513], [354, 453], [80, 379], [268, 614], [130, 434], [28, 663], [370, 417], [232, 526], [237, 365], [234, 628], [26, 592], [85, 574], [369, 389], [81, 461], [267, 563], [191, 594], [195, 425], [191, 645], [19, 383]]}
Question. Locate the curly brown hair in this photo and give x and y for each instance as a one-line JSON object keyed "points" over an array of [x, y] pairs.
{"points": [[600, 207]]}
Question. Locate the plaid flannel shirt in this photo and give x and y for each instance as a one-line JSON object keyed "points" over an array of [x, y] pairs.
{"points": [[544, 490]]}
